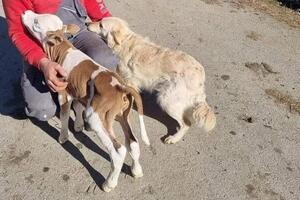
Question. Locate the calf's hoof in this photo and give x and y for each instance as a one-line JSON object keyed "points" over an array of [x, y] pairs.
{"points": [[78, 127], [171, 139], [136, 171], [87, 127], [106, 187], [63, 138], [137, 174]]}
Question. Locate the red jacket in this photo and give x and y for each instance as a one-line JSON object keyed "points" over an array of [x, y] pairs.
{"points": [[30, 49]]}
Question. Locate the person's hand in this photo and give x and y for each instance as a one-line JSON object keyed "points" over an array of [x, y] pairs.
{"points": [[54, 75]]}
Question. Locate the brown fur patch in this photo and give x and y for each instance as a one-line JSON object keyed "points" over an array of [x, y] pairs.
{"points": [[79, 77], [57, 46], [116, 144], [107, 97]]}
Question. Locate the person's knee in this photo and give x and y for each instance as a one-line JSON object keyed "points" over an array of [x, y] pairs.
{"points": [[42, 113], [39, 105]]}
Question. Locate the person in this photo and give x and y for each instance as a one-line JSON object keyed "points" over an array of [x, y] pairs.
{"points": [[40, 79]]}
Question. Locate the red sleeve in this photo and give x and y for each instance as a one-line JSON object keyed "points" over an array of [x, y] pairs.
{"points": [[96, 9], [27, 46]]}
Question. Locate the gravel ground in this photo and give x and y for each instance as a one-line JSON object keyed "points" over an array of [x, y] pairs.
{"points": [[252, 67]]}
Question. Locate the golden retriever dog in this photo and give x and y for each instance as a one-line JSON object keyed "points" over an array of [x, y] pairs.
{"points": [[177, 77]]}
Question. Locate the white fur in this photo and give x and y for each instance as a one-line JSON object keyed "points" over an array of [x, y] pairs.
{"points": [[60, 99], [117, 156], [69, 98], [39, 24], [88, 112], [136, 168], [114, 82], [143, 130], [73, 58], [95, 73]]}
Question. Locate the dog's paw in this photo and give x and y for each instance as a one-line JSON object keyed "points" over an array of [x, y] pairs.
{"points": [[171, 139], [87, 127], [106, 187], [78, 127], [62, 139], [136, 171], [78, 124]]}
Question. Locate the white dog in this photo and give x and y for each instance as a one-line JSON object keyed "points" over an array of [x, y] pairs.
{"points": [[176, 76]]}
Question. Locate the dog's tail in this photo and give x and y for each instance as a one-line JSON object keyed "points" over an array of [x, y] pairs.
{"points": [[204, 116], [139, 105]]}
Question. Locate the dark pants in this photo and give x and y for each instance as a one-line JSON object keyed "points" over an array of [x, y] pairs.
{"points": [[40, 102]]}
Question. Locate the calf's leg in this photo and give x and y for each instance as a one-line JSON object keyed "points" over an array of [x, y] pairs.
{"points": [[133, 148], [117, 151], [79, 122], [65, 106], [131, 142]]}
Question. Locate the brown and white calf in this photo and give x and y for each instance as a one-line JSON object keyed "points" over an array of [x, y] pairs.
{"points": [[103, 93]]}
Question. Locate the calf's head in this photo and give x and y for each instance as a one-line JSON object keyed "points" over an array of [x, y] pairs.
{"points": [[43, 25]]}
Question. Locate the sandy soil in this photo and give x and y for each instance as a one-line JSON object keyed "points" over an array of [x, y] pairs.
{"points": [[252, 66]]}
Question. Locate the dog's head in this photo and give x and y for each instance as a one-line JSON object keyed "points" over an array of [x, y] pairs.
{"points": [[54, 38], [112, 29], [41, 26]]}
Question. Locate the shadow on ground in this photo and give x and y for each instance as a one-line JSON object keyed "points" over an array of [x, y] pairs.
{"points": [[11, 101], [75, 152], [154, 111], [293, 4]]}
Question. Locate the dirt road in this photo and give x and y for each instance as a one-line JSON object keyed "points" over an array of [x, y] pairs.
{"points": [[252, 68]]}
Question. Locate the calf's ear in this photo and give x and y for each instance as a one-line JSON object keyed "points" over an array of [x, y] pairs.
{"points": [[53, 38], [71, 29], [36, 28]]}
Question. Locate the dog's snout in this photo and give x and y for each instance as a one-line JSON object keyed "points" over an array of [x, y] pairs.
{"points": [[27, 13]]}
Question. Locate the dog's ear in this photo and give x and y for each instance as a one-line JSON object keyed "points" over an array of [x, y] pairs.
{"points": [[120, 32], [94, 26], [53, 38], [117, 32], [118, 37], [110, 40], [71, 29]]}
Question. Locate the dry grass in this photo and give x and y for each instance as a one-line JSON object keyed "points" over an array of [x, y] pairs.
{"points": [[254, 35], [280, 97], [272, 8], [212, 1]]}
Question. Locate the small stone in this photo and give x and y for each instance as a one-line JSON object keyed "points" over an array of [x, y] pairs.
{"points": [[46, 169], [232, 133], [65, 177], [225, 77]]}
